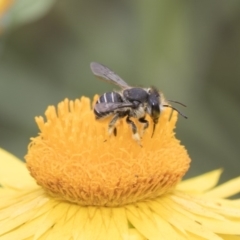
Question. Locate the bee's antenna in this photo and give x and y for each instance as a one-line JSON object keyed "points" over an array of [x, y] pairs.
{"points": [[175, 110], [177, 102]]}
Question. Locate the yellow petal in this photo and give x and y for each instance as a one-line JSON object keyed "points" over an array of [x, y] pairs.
{"points": [[164, 214], [12, 170], [187, 223], [17, 215], [51, 217], [14, 222], [21, 233], [120, 219], [63, 226], [79, 221], [193, 207], [233, 203], [96, 222], [200, 183], [106, 216], [226, 189], [15, 200], [149, 224], [229, 237], [167, 230], [112, 225], [134, 235], [224, 207], [136, 218], [211, 223], [112, 230]]}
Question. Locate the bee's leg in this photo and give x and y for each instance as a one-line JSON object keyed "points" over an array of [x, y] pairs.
{"points": [[136, 136], [145, 124], [111, 125]]}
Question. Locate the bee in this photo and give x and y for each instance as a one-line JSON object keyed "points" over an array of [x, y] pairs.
{"points": [[130, 102]]}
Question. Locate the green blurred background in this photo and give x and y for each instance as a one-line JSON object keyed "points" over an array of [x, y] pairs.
{"points": [[188, 49]]}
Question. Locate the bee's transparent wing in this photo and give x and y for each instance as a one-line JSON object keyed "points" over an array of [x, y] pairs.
{"points": [[109, 107], [105, 74]]}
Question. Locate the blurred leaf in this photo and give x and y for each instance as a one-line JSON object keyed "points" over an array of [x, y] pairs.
{"points": [[24, 11]]}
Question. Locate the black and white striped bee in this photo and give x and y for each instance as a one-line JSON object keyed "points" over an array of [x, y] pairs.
{"points": [[130, 102]]}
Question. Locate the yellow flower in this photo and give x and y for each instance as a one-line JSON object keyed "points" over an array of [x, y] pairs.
{"points": [[91, 186]]}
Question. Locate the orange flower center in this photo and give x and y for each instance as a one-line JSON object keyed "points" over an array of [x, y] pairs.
{"points": [[74, 159]]}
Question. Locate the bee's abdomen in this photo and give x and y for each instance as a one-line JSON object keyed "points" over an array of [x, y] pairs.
{"points": [[109, 97]]}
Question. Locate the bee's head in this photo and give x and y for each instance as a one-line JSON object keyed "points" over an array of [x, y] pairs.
{"points": [[154, 104], [153, 108]]}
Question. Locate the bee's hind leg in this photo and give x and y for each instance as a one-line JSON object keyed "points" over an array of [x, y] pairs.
{"points": [[136, 136], [111, 125], [145, 124]]}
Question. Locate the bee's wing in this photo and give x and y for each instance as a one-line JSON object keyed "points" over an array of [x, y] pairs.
{"points": [[109, 107], [105, 74]]}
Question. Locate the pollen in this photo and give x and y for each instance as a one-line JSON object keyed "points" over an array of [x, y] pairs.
{"points": [[74, 159]]}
